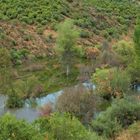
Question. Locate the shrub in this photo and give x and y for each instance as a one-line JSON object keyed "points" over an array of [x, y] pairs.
{"points": [[64, 127], [111, 82], [34, 11], [79, 102], [12, 129], [30, 87], [84, 34], [126, 51], [17, 56], [14, 100], [121, 114]]}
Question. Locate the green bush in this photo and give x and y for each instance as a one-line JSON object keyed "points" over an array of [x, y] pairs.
{"points": [[84, 34], [31, 87], [64, 127], [12, 129], [111, 82], [30, 12], [17, 56], [121, 114], [14, 100], [126, 51]]}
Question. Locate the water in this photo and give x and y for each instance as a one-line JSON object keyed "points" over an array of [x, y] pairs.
{"points": [[29, 113]]}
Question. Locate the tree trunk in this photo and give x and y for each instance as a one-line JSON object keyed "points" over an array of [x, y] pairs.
{"points": [[67, 70]]}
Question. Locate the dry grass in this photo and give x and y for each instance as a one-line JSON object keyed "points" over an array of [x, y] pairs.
{"points": [[133, 133]]}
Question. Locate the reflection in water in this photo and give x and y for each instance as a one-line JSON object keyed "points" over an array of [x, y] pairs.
{"points": [[29, 114]]}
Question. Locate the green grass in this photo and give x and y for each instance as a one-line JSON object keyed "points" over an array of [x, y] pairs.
{"points": [[53, 78]]}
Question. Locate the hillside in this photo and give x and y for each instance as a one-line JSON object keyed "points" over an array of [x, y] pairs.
{"points": [[32, 25]]}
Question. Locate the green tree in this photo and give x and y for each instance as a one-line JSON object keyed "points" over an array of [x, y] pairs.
{"points": [[134, 68], [66, 42], [137, 48], [137, 40]]}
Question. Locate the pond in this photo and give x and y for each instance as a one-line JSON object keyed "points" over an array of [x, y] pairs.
{"points": [[31, 113], [28, 112]]}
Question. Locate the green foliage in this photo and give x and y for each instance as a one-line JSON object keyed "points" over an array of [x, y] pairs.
{"points": [[121, 114], [14, 100], [126, 51], [123, 13], [5, 70], [66, 41], [137, 38], [30, 87], [12, 129], [134, 68], [84, 34], [17, 56], [111, 82], [64, 127], [33, 12], [106, 18]]}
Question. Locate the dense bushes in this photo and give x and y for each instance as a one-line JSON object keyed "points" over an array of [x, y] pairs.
{"points": [[97, 17], [33, 12], [111, 82], [126, 52], [121, 114], [64, 127], [13, 129], [122, 13]]}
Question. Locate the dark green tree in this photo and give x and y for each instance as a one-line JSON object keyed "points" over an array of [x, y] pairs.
{"points": [[135, 67]]}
